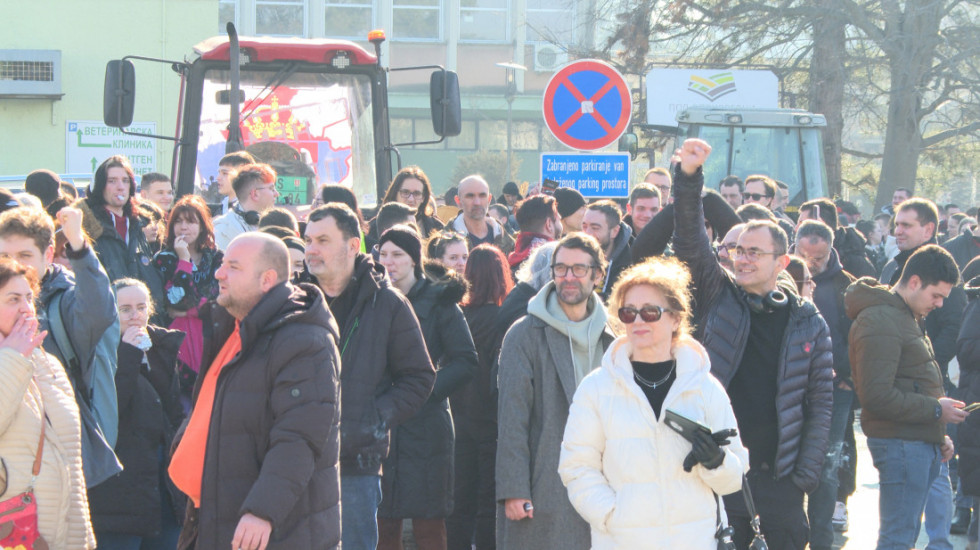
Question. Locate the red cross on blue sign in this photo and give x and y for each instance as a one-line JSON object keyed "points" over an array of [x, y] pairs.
{"points": [[587, 105]]}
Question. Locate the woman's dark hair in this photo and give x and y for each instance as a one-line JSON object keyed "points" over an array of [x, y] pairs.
{"points": [[332, 192], [797, 269], [414, 172], [488, 275], [10, 268], [435, 247], [96, 198], [866, 227], [191, 207]]}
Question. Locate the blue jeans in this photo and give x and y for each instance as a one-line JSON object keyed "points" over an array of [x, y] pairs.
{"points": [[359, 497], [939, 511], [820, 507], [906, 471]]}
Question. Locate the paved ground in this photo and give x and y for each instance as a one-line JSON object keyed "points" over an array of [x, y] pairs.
{"points": [[863, 508]]}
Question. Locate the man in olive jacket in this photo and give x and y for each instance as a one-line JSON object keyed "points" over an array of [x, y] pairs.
{"points": [[259, 453], [900, 388]]}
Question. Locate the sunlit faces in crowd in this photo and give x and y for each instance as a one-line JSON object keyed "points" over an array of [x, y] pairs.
{"points": [[117, 187], [575, 275], [757, 262], [473, 197]]}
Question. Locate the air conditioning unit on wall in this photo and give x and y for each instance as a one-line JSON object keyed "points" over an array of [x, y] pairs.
{"points": [[30, 74], [548, 57]]}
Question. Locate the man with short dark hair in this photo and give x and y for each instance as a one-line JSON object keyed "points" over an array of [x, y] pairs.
{"points": [[848, 242], [770, 349], [759, 189], [814, 243], [645, 202], [46, 186], [156, 188], [255, 187], [904, 408], [539, 221], [603, 220], [731, 189], [660, 178], [916, 222], [224, 190], [258, 455], [387, 371], [543, 358], [87, 307]]}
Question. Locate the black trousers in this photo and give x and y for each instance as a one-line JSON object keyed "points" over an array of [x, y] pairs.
{"points": [[780, 507], [473, 520]]}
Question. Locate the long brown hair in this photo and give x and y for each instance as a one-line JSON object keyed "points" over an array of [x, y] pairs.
{"points": [[190, 207], [391, 195], [488, 273]]}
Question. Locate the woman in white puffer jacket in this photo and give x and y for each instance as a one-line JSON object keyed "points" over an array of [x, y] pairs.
{"points": [[622, 464]]}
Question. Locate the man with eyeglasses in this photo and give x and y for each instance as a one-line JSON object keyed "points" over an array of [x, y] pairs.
{"points": [[255, 187], [814, 243], [543, 358], [769, 348]]}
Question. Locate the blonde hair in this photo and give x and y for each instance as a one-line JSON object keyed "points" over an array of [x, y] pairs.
{"points": [[670, 277]]}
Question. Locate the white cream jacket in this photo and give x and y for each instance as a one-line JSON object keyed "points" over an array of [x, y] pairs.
{"points": [[624, 468]]}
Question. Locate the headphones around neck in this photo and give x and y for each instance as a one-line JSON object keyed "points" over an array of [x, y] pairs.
{"points": [[251, 217], [773, 300]]}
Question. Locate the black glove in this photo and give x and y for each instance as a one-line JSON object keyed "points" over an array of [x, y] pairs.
{"points": [[706, 449]]}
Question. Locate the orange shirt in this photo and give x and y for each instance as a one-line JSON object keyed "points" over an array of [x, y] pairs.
{"points": [[187, 465]]}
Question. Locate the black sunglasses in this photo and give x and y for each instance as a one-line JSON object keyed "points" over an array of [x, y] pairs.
{"points": [[755, 196], [649, 314]]}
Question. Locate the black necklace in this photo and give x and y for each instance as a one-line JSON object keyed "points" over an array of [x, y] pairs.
{"points": [[653, 385]]}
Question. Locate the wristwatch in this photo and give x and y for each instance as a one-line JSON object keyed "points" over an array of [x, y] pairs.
{"points": [[939, 411]]}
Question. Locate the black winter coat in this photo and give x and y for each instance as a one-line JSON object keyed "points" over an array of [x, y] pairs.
{"points": [[850, 246], [804, 397], [274, 438], [417, 479], [149, 414], [829, 299], [654, 239], [514, 307], [121, 259], [968, 355], [387, 374], [475, 404]]}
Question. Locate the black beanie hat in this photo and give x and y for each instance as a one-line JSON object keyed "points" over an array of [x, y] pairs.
{"points": [[43, 184], [569, 201], [406, 238]]}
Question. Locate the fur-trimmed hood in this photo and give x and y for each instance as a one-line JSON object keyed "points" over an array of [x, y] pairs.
{"points": [[439, 285]]}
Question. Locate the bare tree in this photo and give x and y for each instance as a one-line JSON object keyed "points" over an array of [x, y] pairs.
{"points": [[927, 51]]}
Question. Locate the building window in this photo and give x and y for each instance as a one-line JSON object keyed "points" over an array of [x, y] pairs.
{"points": [[348, 18], [550, 21], [280, 17], [484, 20], [416, 20], [227, 13]]}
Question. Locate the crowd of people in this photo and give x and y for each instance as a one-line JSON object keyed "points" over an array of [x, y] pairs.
{"points": [[682, 369]]}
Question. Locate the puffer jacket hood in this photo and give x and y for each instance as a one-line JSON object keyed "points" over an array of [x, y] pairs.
{"points": [[622, 241], [446, 285], [56, 279], [865, 293]]}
